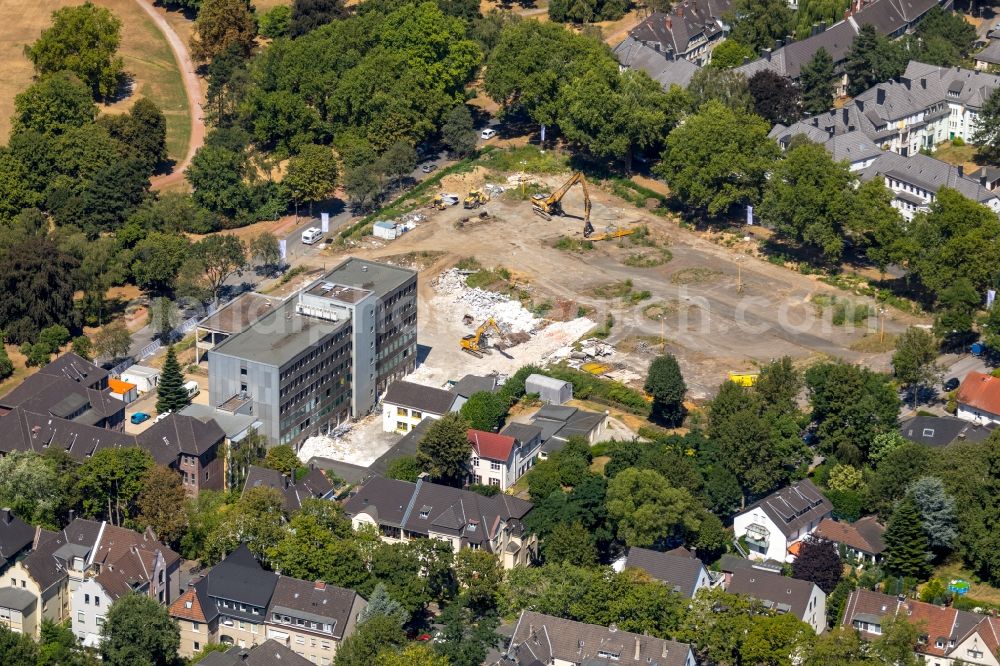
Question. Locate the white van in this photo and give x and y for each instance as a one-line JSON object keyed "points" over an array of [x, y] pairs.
{"points": [[311, 235], [192, 388]]}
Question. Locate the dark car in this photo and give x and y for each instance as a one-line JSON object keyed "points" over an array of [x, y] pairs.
{"points": [[951, 384], [139, 417], [427, 168]]}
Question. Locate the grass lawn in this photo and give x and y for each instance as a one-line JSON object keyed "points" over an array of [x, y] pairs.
{"points": [[957, 155], [148, 59], [977, 590]]}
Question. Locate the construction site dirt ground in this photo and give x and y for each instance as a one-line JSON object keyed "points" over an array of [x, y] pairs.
{"points": [[716, 308]]}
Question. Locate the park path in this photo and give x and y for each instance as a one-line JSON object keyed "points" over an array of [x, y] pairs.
{"points": [[191, 89]]}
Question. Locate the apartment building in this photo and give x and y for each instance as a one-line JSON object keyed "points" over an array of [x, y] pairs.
{"points": [[239, 603], [322, 356], [501, 459], [402, 511]]}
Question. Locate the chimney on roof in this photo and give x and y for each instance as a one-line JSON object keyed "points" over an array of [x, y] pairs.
{"points": [[637, 648], [846, 115], [746, 60], [923, 83], [664, 655], [815, 30], [679, 9], [880, 95], [982, 178], [8, 516], [766, 54], [778, 44], [72, 515]]}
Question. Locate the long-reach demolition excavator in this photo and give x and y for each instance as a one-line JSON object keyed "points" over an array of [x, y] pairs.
{"points": [[550, 205]]}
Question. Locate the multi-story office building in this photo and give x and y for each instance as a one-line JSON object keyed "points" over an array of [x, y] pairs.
{"points": [[324, 355]]}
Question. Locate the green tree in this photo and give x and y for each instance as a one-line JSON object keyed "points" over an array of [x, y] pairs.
{"points": [[758, 23], [53, 337], [265, 249], [570, 543], [371, 638], [458, 132], [775, 98], [480, 576], [283, 459], [311, 14], [110, 481], [17, 649], [405, 468], [845, 477], [139, 632], [157, 261], [257, 519], [59, 646], [809, 200], [113, 341], [906, 547], [222, 24], [306, 550], [144, 130], [221, 256], [718, 158], [913, 362], [816, 82], [484, 410], [730, 54], [83, 40], [53, 104], [381, 604], [444, 450], [895, 645], [397, 161], [956, 311], [31, 487], [871, 59], [161, 504], [35, 289], [894, 473], [647, 509], [312, 175], [362, 185], [412, 655], [725, 86], [204, 514], [775, 640], [82, 346], [666, 384], [171, 396], [276, 22], [986, 137], [937, 512]]}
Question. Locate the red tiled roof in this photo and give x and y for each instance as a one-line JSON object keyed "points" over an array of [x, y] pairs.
{"points": [[490, 445], [180, 609], [847, 534], [980, 391]]}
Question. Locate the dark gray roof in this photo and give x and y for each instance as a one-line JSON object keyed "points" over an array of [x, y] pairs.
{"points": [[852, 147], [419, 397], [312, 486], [943, 430], [781, 593], [240, 578], [177, 434], [660, 67], [42, 564], [927, 173], [15, 536], [795, 506], [371, 275], [470, 384], [688, 24], [556, 412], [386, 500], [679, 572], [522, 432], [316, 602], [56, 395], [990, 54], [16, 599], [558, 423], [77, 369], [542, 638], [268, 653]]}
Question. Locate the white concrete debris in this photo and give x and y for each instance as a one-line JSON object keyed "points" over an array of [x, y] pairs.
{"points": [[481, 304], [360, 444]]}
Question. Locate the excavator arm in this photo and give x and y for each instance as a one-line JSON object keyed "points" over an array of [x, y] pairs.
{"points": [[551, 204], [588, 228]]}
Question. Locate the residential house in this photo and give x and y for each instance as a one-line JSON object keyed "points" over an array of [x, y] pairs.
{"points": [[988, 59], [773, 524], [239, 603], [193, 447], [663, 68], [42, 576], [500, 459], [782, 594], [406, 404], [678, 569], [557, 423], [268, 653], [323, 356], [987, 176], [729, 564], [978, 399], [56, 396], [861, 540], [314, 485], [403, 511], [545, 639], [947, 635], [938, 431], [468, 385], [16, 537], [690, 31], [237, 428], [550, 391], [78, 369]]}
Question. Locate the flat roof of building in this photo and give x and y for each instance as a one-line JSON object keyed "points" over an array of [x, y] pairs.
{"points": [[336, 292], [372, 275], [279, 336], [232, 424], [239, 313]]}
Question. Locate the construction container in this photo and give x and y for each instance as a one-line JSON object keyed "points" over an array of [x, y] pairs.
{"points": [[549, 390]]}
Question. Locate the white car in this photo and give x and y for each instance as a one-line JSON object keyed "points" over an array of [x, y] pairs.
{"points": [[488, 134], [311, 235]]}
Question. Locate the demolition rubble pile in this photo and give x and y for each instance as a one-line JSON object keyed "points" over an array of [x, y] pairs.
{"points": [[481, 304]]}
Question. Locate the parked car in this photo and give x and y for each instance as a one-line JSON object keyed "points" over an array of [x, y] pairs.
{"points": [[488, 134], [427, 168], [951, 384], [139, 417]]}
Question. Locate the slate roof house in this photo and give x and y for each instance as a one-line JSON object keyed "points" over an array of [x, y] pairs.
{"points": [[544, 639], [661, 67], [468, 385], [268, 653], [678, 569], [402, 511], [314, 485], [690, 31], [558, 423], [16, 537], [773, 524], [801, 598], [407, 404], [239, 603], [946, 634], [862, 539], [938, 431]]}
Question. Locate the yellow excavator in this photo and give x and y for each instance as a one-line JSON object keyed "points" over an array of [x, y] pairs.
{"points": [[550, 205], [471, 343], [476, 199]]}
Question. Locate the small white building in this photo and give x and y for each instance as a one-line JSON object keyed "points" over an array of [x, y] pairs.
{"points": [[144, 377], [550, 391], [501, 459], [90, 603], [386, 230], [772, 525], [124, 391], [406, 404], [978, 399]]}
